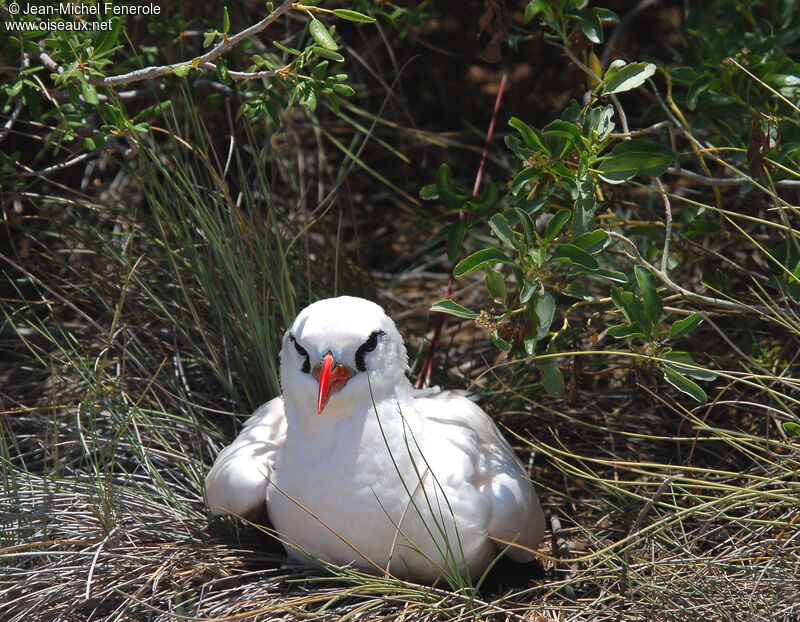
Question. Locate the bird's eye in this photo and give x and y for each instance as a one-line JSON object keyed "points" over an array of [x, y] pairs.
{"points": [[368, 346], [302, 352]]}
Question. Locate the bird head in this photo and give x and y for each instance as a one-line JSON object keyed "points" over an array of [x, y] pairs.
{"points": [[340, 351]]}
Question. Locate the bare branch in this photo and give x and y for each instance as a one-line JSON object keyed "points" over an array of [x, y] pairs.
{"points": [[668, 220], [11, 120], [725, 181], [204, 62], [149, 73], [689, 295]]}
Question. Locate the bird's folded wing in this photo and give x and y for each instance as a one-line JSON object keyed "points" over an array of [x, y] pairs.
{"points": [[516, 515], [237, 483]]}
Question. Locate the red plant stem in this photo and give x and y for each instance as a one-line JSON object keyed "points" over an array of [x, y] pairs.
{"points": [[424, 377]]}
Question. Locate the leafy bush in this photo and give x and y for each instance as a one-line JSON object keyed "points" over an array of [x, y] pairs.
{"points": [[79, 74], [570, 248]]}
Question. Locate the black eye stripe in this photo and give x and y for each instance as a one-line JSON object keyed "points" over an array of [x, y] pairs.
{"points": [[368, 346], [302, 352]]}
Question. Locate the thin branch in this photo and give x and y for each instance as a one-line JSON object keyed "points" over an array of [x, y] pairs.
{"points": [[11, 120], [149, 73], [425, 372], [245, 75], [725, 181], [561, 552], [668, 220], [204, 62], [689, 295], [647, 130]]}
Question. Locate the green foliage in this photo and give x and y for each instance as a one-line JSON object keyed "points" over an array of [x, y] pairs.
{"points": [[565, 244], [75, 75]]}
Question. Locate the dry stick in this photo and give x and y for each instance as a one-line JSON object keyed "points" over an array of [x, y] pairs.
{"points": [[668, 219], [11, 120], [725, 181], [561, 552], [425, 373]]}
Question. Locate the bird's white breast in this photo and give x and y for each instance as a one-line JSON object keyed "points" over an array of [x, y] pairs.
{"points": [[364, 491]]}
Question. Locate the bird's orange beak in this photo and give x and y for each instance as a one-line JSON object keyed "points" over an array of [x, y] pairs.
{"points": [[332, 376]]}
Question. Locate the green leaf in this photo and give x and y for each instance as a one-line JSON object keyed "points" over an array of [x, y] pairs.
{"points": [[621, 331], [599, 121], [449, 197], [94, 142], [522, 178], [89, 93], [110, 40], [552, 378], [344, 90], [574, 254], [527, 291], [437, 237], [792, 428], [611, 275], [593, 242], [14, 89], [488, 200], [326, 53], [621, 77], [495, 284], [555, 225], [476, 261], [683, 363], [591, 26], [498, 341], [634, 157], [684, 326], [502, 230], [653, 306], [455, 240], [562, 129], [632, 309], [208, 39], [453, 308], [429, 192], [585, 205], [682, 383], [181, 70], [529, 135], [321, 35], [286, 48], [544, 307], [528, 225], [310, 100], [318, 73], [353, 16], [534, 8], [226, 20], [222, 72]]}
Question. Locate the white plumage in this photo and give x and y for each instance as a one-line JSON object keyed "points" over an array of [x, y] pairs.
{"points": [[358, 468]]}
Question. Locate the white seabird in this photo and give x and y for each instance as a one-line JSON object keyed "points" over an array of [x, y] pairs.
{"points": [[358, 468]]}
